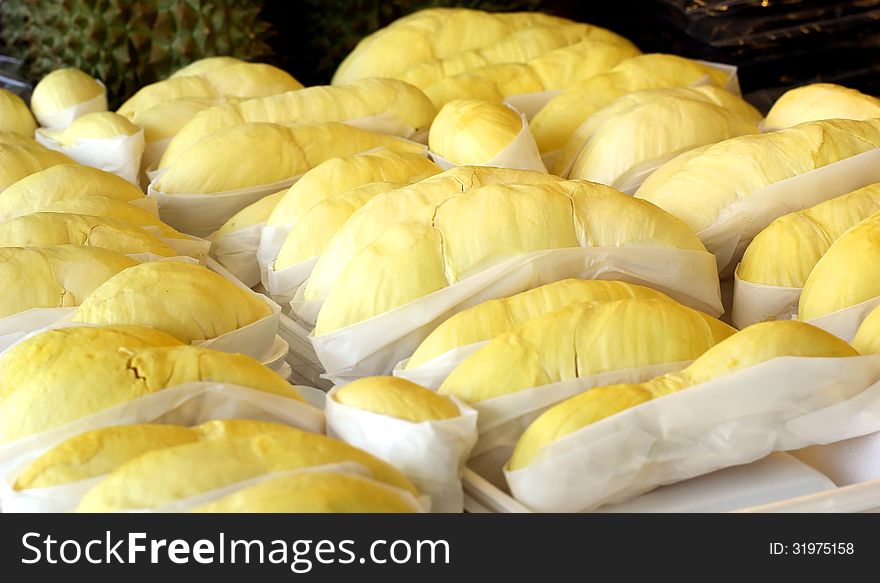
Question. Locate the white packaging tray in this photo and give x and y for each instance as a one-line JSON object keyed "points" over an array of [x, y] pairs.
{"points": [[306, 368]]}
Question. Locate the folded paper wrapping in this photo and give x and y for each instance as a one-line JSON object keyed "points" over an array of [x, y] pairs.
{"points": [[376, 345], [282, 285], [781, 404], [188, 404], [237, 252], [61, 119], [120, 155], [432, 373], [521, 154], [150, 160], [531, 103], [757, 302], [389, 123], [738, 224], [431, 453], [845, 323]]}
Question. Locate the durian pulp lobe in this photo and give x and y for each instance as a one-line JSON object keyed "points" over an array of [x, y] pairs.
{"points": [[188, 301], [251, 215], [821, 101], [491, 318], [201, 66], [396, 397], [313, 492], [63, 88], [251, 80], [167, 90], [96, 126], [788, 249], [749, 347], [15, 117], [867, 338], [166, 475], [111, 208], [20, 160], [165, 119], [473, 131], [581, 340]]}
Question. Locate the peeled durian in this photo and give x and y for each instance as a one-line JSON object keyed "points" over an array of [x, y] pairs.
{"points": [[867, 338], [63, 182], [206, 65], [313, 492], [494, 317], [562, 116], [164, 120], [584, 339], [236, 157], [62, 89], [89, 369], [786, 251], [751, 346], [164, 476], [473, 131], [397, 398], [250, 215], [821, 101], [250, 80], [49, 229], [54, 277], [15, 116], [111, 208], [435, 245], [188, 301], [20, 160], [92, 126], [363, 99], [168, 90]]}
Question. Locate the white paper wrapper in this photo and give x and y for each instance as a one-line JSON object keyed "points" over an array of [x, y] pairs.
{"points": [[376, 345], [757, 302], [739, 222], [153, 152], [283, 284], [120, 155], [431, 453], [782, 404], [202, 214], [732, 82], [845, 323], [189, 404], [237, 252], [531, 103], [432, 373], [63, 118], [522, 153]]}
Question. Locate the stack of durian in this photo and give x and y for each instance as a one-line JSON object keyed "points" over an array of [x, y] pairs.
{"points": [[507, 234]]}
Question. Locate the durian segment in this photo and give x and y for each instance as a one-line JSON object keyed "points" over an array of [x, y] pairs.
{"points": [[414, 203], [435, 33], [168, 90], [93, 126], [48, 229], [562, 116], [90, 369], [659, 127], [319, 104], [473, 131], [250, 80], [161, 477], [751, 346], [584, 339], [20, 160], [731, 170], [785, 252], [555, 70], [819, 101], [313, 492], [395, 397], [319, 224], [54, 277], [188, 301], [236, 157], [867, 338], [111, 208], [15, 117], [341, 174], [201, 66], [61, 89], [164, 120], [494, 317], [250, 215], [848, 273], [63, 182]]}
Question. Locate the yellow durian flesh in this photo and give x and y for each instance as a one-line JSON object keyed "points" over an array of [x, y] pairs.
{"points": [[161, 477], [731, 170], [168, 90], [236, 157], [201, 66], [165, 119], [472, 131], [111, 208], [562, 116], [491, 318], [47, 229], [94, 126], [867, 338], [188, 301], [821, 101], [54, 277], [581, 340], [250, 80], [340, 174], [61, 89], [396, 397], [319, 224], [485, 83], [561, 68], [785, 252], [63, 182], [313, 492], [251, 215], [847, 274], [15, 117], [18, 161], [751, 346]]}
